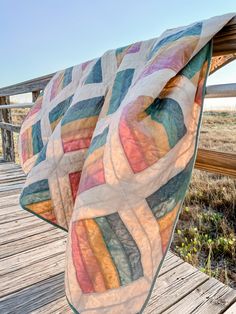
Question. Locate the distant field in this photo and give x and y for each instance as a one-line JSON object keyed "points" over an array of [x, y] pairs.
{"points": [[205, 235]]}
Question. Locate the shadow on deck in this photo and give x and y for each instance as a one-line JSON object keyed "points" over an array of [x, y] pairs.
{"points": [[32, 259]]}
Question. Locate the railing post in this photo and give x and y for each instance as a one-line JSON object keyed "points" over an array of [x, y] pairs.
{"points": [[7, 136], [35, 95]]}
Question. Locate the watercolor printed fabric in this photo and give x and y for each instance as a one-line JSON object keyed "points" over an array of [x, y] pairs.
{"points": [[108, 149]]}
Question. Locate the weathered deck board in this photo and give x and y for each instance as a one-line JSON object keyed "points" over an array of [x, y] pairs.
{"points": [[231, 309], [55, 307], [32, 257], [211, 297], [40, 293], [27, 276], [20, 229], [30, 242]]}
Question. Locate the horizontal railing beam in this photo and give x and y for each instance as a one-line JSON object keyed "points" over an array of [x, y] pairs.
{"points": [[216, 162], [10, 127], [27, 86], [221, 91], [17, 106]]}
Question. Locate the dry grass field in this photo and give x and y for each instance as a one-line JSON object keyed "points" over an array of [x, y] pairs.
{"points": [[205, 235]]}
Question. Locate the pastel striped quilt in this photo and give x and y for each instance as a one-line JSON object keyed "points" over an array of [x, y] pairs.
{"points": [[109, 147]]}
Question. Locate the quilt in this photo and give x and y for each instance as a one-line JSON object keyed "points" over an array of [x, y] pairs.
{"points": [[108, 148]]}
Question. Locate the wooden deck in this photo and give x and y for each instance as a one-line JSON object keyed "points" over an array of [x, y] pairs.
{"points": [[31, 270]]}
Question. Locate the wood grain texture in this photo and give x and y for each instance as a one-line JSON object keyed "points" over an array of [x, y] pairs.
{"points": [[6, 134], [231, 309], [29, 86], [6, 216], [34, 297], [10, 128], [25, 277], [17, 106], [217, 62], [173, 286], [31, 256], [221, 91], [216, 162], [56, 307], [211, 297], [30, 242], [20, 229], [224, 42]]}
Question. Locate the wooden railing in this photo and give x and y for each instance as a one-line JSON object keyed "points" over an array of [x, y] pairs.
{"points": [[224, 43]]}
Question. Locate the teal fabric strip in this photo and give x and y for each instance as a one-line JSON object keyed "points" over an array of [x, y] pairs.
{"points": [[120, 87], [98, 141], [35, 197], [169, 113], [36, 138], [166, 198], [128, 243], [193, 30], [84, 109], [67, 77], [60, 109], [116, 250], [95, 76], [195, 65], [42, 155], [38, 186]]}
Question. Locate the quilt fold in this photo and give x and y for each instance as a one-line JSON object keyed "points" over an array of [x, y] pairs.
{"points": [[109, 148]]}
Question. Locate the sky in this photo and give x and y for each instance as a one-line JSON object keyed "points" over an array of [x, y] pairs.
{"points": [[41, 37]]}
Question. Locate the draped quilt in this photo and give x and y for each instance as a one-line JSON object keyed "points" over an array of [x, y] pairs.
{"points": [[108, 148]]}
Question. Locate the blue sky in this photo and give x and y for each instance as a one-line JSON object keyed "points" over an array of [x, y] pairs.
{"points": [[40, 37]]}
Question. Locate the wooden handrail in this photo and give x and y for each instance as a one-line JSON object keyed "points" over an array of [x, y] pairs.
{"points": [[29, 86], [224, 42], [221, 91], [216, 162], [17, 106], [10, 127]]}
